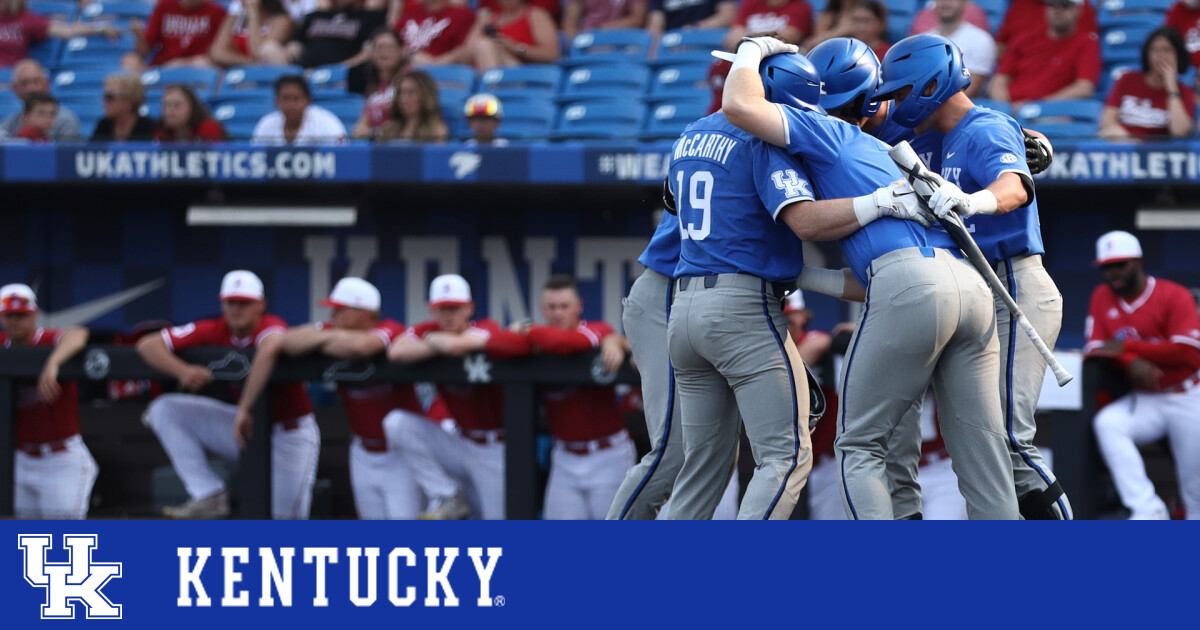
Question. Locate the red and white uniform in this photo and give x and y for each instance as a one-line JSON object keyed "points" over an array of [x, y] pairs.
{"points": [[377, 107], [437, 33], [54, 471], [1186, 20], [1040, 66], [592, 449], [472, 456], [1142, 109], [189, 425], [1160, 326], [182, 32]]}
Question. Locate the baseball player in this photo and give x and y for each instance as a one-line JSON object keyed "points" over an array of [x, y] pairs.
{"points": [[928, 314], [985, 177], [383, 485], [190, 425], [476, 447], [1150, 329], [53, 472], [592, 449]]}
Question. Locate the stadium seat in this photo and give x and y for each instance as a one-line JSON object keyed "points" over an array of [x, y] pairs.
{"points": [[117, 12], [333, 79], [347, 109], [453, 98], [994, 9], [667, 120], [89, 114], [524, 130], [5, 79], [47, 53], [689, 45], [1124, 12], [605, 82], [530, 82], [84, 84], [54, 9], [202, 80], [529, 113], [1071, 118], [253, 83], [9, 104], [682, 79], [629, 45], [239, 118], [90, 52], [151, 109], [1109, 76], [599, 121], [1124, 44], [453, 76], [897, 26]]}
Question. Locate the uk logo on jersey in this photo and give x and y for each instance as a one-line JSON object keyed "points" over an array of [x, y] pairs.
{"points": [[790, 183], [78, 581]]}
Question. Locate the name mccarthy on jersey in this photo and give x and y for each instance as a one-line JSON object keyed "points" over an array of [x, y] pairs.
{"points": [[708, 146]]}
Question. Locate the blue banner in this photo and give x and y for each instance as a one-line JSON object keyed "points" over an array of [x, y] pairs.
{"points": [[1075, 163], [157, 574]]}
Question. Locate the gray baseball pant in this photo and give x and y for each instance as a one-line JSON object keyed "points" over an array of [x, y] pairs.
{"points": [[730, 348], [928, 317]]}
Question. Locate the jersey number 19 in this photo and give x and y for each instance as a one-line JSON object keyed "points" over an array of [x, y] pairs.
{"points": [[698, 197]]}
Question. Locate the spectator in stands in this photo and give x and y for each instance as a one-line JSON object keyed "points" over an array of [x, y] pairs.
{"points": [[179, 33], [790, 20], [435, 31], [28, 78], [1025, 16], [416, 115], [123, 96], [589, 15], [37, 117], [254, 32], [926, 19], [20, 29], [669, 15], [1060, 62], [185, 118], [387, 64], [1184, 16], [553, 7], [978, 47], [833, 21], [339, 35], [1152, 102], [516, 34], [484, 114], [298, 121], [868, 23]]}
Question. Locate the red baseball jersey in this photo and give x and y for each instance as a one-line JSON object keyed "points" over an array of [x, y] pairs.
{"points": [[1040, 66], [1142, 109], [182, 32], [553, 7], [577, 414], [1161, 325], [758, 17], [288, 400], [1186, 20], [366, 404], [434, 33], [1025, 16], [38, 421]]}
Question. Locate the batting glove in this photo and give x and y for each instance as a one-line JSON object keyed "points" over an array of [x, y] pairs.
{"points": [[770, 45], [897, 199], [949, 197]]}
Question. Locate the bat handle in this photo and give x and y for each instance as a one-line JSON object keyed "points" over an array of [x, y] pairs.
{"points": [[1060, 373]]}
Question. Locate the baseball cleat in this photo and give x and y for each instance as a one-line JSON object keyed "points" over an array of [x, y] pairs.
{"points": [[452, 508], [210, 507]]}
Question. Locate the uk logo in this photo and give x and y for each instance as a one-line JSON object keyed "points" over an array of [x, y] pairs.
{"points": [[77, 581], [790, 183]]}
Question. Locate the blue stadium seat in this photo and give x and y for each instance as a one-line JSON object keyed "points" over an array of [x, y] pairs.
{"points": [[531, 82], [673, 80], [1109, 76], [89, 114], [1072, 118], [85, 52], [689, 45], [897, 26], [333, 79], [253, 82], [118, 12], [994, 9], [529, 113], [239, 118], [47, 53], [87, 83], [453, 76], [1124, 44], [454, 99], [64, 11], [599, 121], [605, 82], [202, 80], [524, 130], [9, 104], [5, 79], [152, 108], [667, 120], [631, 45], [1117, 7], [347, 109]]}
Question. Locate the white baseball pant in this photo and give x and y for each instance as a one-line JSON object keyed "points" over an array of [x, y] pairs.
{"points": [[824, 492], [54, 484], [436, 457], [384, 488], [582, 487], [189, 426]]}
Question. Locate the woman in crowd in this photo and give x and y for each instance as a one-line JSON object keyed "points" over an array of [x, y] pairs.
{"points": [[123, 96], [516, 34], [254, 32], [386, 65], [185, 118], [868, 22], [416, 115], [1152, 102]]}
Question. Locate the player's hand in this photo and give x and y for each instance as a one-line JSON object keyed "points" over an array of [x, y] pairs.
{"points": [[1110, 348], [47, 385], [948, 198], [900, 201], [1144, 374], [771, 46], [611, 357], [243, 427], [1038, 152], [195, 377]]}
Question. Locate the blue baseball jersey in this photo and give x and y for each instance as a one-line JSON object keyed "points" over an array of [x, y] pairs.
{"points": [[729, 186], [927, 145], [662, 253], [982, 147], [845, 162]]}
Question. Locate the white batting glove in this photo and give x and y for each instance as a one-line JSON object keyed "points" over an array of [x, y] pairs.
{"points": [[770, 45], [897, 200], [948, 198]]}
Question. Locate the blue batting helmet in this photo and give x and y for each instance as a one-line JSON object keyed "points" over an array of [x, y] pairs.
{"points": [[850, 70], [919, 62], [791, 79]]}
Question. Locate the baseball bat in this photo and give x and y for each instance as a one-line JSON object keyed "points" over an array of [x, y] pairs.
{"points": [[924, 183]]}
